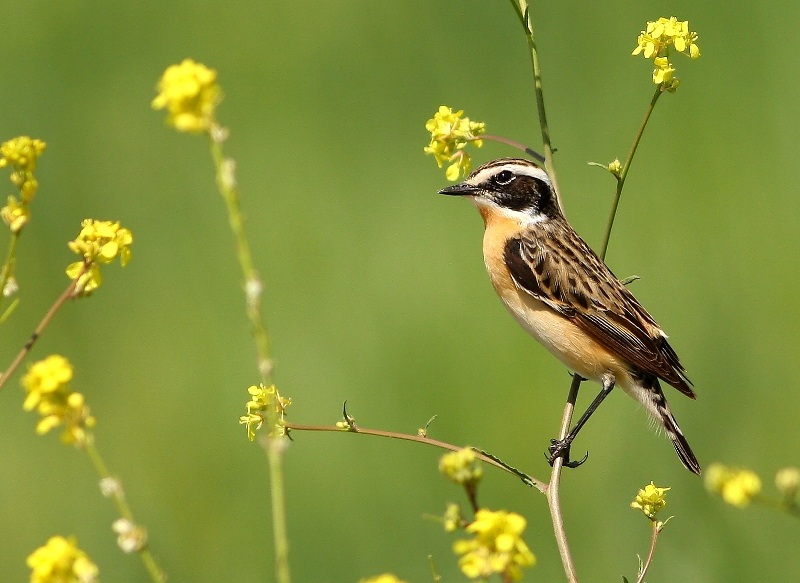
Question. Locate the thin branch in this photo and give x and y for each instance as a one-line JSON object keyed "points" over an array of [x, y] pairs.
{"points": [[48, 317], [624, 172], [488, 458], [646, 565], [523, 13], [513, 143], [553, 496]]}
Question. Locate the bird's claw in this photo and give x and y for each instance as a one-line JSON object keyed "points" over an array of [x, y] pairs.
{"points": [[559, 448]]}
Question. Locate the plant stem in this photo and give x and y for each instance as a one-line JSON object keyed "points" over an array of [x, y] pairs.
{"points": [[48, 317], [553, 496], [253, 288], [650, 554], [8, 266], [624, 172], [124, 510], [513, 143], [489, 459], [523, 13]]}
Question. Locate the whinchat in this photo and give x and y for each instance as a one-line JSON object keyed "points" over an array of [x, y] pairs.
{"points": [[563, 294]]}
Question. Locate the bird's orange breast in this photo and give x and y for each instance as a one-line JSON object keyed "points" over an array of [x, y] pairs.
{"points": [[565, 340]]}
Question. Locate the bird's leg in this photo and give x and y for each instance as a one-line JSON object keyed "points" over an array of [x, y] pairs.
{"points": [[560, 447]]}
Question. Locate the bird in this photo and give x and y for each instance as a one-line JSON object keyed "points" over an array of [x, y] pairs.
{"points": [[564, 295]]}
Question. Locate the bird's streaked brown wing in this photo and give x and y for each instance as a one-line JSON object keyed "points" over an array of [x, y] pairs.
{"points": [[562, 271]]}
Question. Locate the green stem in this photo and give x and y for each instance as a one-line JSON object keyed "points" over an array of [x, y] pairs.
{"points": [[117, 494], [523, 13], [646, 565], [624, 172], [253, 287], [8, 266]]}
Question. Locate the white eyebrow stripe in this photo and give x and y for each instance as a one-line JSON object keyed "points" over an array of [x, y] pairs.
{"points": [[518, 169]]}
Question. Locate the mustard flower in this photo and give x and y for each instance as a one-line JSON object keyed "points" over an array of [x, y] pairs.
{"points": [[738, 487], [21, 154], [15, 214], [497, 546], [61, 561], [461, 466], [450, 134], [385, 578], [262, 399], [650, 500], [48, 392], [190, 94], [655, 43], [98, 242]]}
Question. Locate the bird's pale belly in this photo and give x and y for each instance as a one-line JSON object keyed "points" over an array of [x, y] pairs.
{"points": [[565, 340]]}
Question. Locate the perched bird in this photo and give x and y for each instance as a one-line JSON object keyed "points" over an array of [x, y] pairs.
{"points": [[563, 294]]}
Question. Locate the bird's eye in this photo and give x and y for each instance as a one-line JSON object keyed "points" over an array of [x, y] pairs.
{"points": [[504, 178]]}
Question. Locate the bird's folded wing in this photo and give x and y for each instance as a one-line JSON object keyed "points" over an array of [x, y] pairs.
{"points": [[575, 283]]}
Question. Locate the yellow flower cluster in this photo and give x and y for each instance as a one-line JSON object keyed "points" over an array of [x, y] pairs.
{"points": [[650, 500], [450, 134], [496, 548], [21, 154], [261, 400], [47, 387], [738, 487], [461, 466], [98, 242], [385, 578], [190, 94], [655, 41], [61, 561]]}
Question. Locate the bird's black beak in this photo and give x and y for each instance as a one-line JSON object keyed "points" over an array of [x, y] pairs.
{"points": [[462, 189]]}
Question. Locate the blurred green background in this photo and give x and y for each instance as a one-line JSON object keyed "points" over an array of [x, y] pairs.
{"points": [[375, 287]]}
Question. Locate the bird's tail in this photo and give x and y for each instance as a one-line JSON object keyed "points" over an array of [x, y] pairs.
{"points": [[652, 397]]}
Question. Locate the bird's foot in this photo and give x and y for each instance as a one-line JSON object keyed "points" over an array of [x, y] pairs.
{"points": [[559, 448]]}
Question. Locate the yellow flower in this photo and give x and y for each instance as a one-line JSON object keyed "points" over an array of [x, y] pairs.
{"points": [[650, 500], [738, 487], [497, 546], [257, 407], [102, 241], [61, 561], [450, 134], [190, 94], [461, 466], [15, 214], [21, 154], [385, 578], [655, 41], [48, 391], [98, 242]]}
